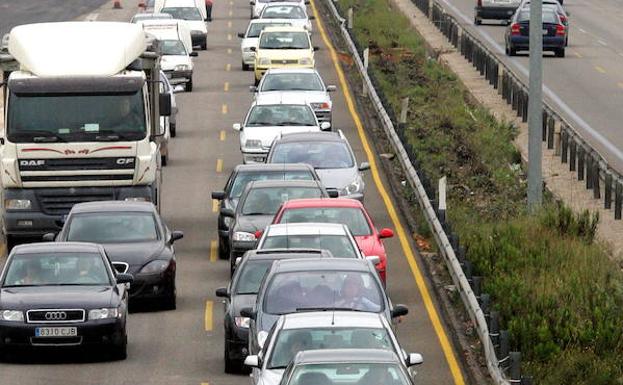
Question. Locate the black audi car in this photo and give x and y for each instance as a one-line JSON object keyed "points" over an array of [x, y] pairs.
{"points": [[242, 292], [238, 179], [63, 295], [257, 206], [136, 240]]}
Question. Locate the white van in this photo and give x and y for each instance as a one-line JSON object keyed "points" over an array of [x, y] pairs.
{"points": [[194, 12], [495, 9]]}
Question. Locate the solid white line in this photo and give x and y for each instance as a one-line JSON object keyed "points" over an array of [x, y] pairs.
{"points": [[91, 17], [581, 30], [602, 42]]}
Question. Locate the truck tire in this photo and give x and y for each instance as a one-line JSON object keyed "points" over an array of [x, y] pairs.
{"points": [[189, 86], [164, 159], [172, 128]]}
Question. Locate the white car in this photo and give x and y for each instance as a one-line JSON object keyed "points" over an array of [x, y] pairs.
{"points": [[251, 37], [150, 16], [321, 330], [292, 11], [193, 12], [265, 122], [258, 5], [301, 85]]}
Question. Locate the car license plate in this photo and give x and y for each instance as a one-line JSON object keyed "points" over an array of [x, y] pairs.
{"points": [[56, 332]]}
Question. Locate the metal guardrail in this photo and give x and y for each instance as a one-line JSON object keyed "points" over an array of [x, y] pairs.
{"points": [[495, 342], [559, 134]]}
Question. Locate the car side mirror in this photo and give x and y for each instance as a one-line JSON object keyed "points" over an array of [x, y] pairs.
{"points": [[193, 54], [176, 236], [49, 237], [332, 192], [311, 17], [399, 311], [252, 89], [247, 312], [238, 260], [228, 213], [220, 195], [222, 292], [364, 166], [252, 361], [375, 259], [325, 126], [124, 278], [386, 233], [414, 359], [331, 88], [316, 48], [241, 35], [237, 127], [253, 49], [178, 88], [164, 104]]}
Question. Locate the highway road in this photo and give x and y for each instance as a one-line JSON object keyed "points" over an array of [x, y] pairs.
{"points": [[589, 81], [185, 346]]}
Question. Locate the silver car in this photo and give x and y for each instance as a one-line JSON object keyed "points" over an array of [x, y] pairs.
{"points": [[495, 9]]}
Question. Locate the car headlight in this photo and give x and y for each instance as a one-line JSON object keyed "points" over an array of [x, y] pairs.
{"points": [[263, 61], [242, 322], [321, 106], [242, 236], [17, 204], [182, 67], [253, 143], [353, 188], [104, 313], [155, 267], [306, 61], [12, 315]]}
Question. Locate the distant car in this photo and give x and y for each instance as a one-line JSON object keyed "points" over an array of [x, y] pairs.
{"points": [[238, 179], [295, 12], [267, 120], [257, 6], [329, 153], [169, 89], [241, 293], [139, 17], [195, 20], [313, 330], [299, 285], [304, 85], [63, 295], [494, 9], [347, 366], [517, 36], [147, 6], [250, 38], [137, 241], [555, 6], [258, 203], [350, 212]]}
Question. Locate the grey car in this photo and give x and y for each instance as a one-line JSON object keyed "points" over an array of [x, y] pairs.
{"points": [[329, 153]]}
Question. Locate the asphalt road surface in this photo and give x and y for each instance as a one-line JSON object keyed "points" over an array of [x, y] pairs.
{"points": [[185, 346]]}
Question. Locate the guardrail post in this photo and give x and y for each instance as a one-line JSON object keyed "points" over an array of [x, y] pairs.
{"points": [[504, 349], [572, 155], [581, 163], [441, 213], [596, 178], [557, 140], [494, 328], [608, 191], [349, 23], [366, 61], [477, 286], [618, 199], [524, 112], [551, 126], [485, 305], [515, 368], [544, 125], [565, 143], [589, 172], [404, 109], [467, 270]]}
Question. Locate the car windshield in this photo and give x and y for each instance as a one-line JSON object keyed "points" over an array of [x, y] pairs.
{"points": [[281, 115], [114, 227], [339, 245], [313, 290], [266, 200], [173, 47], [251, 276], [292, 82], [183, 13], [348, 373], [283, 12], [352, 217], [242, 178], [549, 17], [289, 342], [55, 269], [317, 154], [256, 28], [284, 40]]}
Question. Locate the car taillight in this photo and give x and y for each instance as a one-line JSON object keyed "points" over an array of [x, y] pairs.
{"points": [[515, 29], [563, 19], [560, 30], [480, 3]]}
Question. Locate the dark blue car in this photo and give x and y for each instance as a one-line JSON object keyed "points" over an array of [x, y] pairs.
{"points": [[517, 35]]}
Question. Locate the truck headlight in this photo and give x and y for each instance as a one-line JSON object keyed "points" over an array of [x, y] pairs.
{"points": [[352, 188], [104, 313], [253, 143], [12, 315], [17, 204], [155, 267], [321, 106], [306, 61], [242, 322], [242, 236], [182, 67], [263, 61]]}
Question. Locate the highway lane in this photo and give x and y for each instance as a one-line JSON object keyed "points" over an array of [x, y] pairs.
{"points": [[185, 346], [590, 79]]}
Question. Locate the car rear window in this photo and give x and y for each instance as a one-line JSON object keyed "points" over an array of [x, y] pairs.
{"points": [[352, 217], [251, 276], [266, 200], [320, 155], [242, 178], [548, 16], [339, 245]]}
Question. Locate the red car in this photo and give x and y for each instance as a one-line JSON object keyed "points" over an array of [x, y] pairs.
{"points": [[341, 210]]}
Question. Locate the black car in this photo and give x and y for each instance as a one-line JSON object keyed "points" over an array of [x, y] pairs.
{"points": [[257, 206], [241, 293], [135, 238], [62, 295], [236, 183]]}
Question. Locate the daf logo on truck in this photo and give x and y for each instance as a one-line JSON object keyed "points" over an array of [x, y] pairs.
{"points": [[32, 162], [125, 161]]}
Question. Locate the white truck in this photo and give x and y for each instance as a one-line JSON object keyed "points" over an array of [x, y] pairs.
{"points": [[195, 14], [82, 110]]}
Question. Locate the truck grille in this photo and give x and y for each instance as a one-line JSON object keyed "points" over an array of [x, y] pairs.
{"points": [[77, 164], [61, 201], [55, 316], [283, 62], [323, 116]]}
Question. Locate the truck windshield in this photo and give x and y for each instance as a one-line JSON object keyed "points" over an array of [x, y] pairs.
{"points": [[76, 117]]}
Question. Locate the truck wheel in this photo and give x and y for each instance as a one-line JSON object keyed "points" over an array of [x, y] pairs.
{"points": [[172, 128], [189, 86]]}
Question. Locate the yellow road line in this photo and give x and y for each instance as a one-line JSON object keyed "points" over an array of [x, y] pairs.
{"points": [[219, 165], [228, 67], [222, 135], [205, 383], [620, 84], [229, 36], [231, 13], [215, 204], [391, 210], [577, 54], [229, 24], [226, 86], [229, 51], [224, 109], [213, 251], [599, 69], [207, 322]]}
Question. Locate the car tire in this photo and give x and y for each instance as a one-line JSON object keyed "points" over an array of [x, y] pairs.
{"points": [[119, 352], [477, 21], [170, 301], [231, 366], [560, 52], [164, 159], [189, 86], [245, 67], [223, 250], [512, 51], [172, 128]]}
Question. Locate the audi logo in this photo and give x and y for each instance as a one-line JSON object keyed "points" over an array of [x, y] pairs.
{"points": [[55, 316]]}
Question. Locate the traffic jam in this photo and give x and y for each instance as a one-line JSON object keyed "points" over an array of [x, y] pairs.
{"points": [[85, 138]]}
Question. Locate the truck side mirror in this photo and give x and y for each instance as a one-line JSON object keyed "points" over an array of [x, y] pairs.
{"points": [[193, 54], [164, 104]]}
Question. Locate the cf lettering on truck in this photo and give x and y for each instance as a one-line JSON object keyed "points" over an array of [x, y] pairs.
{"points": [[82, 112]]}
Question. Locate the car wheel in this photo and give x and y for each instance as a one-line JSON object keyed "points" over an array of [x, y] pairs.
{"points": [[223, 251], [170, 302], [231, 366], [164, 159], [477, 20], [512, 51], [566, 41], [189, 86], [119, 352], [172, 128], [245, 67], [204, 45], [560, 52]]}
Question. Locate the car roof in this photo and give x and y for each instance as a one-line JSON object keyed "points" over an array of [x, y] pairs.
{"points": [[306, 228], [284, 28], [281, 183], [321, 203], [319, 264], [269, 21], [272, 167], [332, 319], [283, 4], [345, 355], [322, 136], [112, 206], [277, 254], [290, 70], [67, 247], [282, 102]]}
